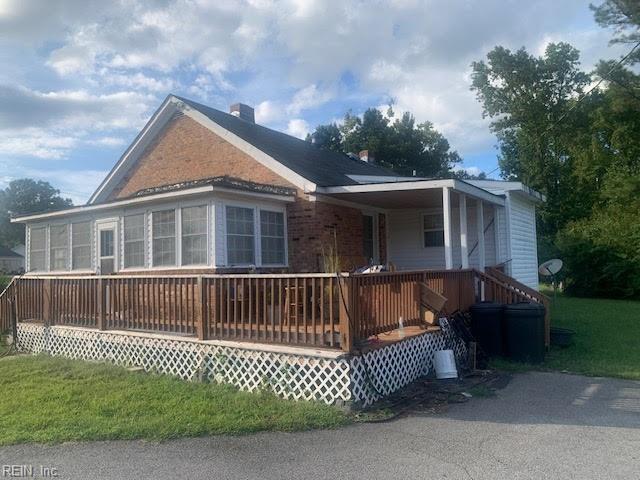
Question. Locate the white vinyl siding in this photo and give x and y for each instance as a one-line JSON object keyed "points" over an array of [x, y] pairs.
{"points": [[133, 237], [38, 249], [240, 236], [194, 235], [405, 235], [81, 246], [59, 248], [272, 237], [524, 254], [164, 238]]}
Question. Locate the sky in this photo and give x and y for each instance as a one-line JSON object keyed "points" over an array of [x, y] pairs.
{"points": [[80, 78]]}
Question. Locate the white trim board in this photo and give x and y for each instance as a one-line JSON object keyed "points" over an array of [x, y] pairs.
{"points": [[152, 198], [456, 185]]}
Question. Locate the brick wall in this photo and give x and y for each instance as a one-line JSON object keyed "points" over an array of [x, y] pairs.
{"points": [[186, 150], [315, 227]]}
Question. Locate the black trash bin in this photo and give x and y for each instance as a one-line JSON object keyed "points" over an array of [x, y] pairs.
{"points": [[486, 326], [524, 331]]}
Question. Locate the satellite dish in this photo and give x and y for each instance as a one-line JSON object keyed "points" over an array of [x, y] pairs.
{"points": [[550, 267]]}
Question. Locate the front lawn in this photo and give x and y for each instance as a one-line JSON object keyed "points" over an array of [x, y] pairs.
{"points": [[607, 340], [47, 399]]}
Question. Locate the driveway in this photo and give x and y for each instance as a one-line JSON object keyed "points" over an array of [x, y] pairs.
{"points": [[542, 425]]}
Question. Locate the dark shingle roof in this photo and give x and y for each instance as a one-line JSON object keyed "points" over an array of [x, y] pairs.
{"points": [[7, 252], [322, 167]]}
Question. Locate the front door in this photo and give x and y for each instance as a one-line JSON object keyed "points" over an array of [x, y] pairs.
{"points": [[107, 248]]}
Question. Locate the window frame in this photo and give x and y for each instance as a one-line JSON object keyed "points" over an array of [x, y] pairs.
{"points": [[425, 230], [284, 236], [45, 250], [146, 261], [176, 234], [256, 207], [90, 244], [67, 268], [256, 236], [208, 235]]}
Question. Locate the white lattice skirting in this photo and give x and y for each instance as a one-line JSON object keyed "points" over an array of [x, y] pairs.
{"points": [[290, 375]]}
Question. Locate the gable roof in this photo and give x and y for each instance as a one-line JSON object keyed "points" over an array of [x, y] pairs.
{"points": [[323, 167], [7, 252], [305, 164]]}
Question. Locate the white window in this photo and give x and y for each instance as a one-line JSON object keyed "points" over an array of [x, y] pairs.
{"points": [[81, 245], [134, 241], [194, 235], [37, 249], [164, 238], [240, 236], [433, 227], [58, 247], [272, 237]]}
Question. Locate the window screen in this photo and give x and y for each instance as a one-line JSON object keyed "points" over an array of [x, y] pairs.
{"points": [[194, 235], [272, 237], [59, 247], [81, 245], [164, 238], [134, 241], [37, 249], [240, 236]]}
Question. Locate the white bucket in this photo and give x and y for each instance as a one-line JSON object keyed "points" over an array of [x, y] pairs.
{"points": [[445, 364]]}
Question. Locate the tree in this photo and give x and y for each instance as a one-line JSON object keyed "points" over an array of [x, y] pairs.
{"points": [[327, 137], [400, 145], [26, 196], [528, 99], [624, 17]]}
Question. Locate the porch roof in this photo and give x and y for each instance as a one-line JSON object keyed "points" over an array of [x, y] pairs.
{"points": [[408, 194]]}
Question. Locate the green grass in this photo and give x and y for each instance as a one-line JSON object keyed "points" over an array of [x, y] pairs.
{"points": [[50, 400], [606, 341]]}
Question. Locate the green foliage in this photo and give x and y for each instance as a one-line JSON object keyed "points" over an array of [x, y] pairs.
{"points": [[605, 343], [400, 145], [528, 97], [59, 400], [602, 251], [4, 281], [623, 16], [26, 196]]}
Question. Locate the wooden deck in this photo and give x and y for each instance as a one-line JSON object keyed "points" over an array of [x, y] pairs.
{"points": [[331, 311]]}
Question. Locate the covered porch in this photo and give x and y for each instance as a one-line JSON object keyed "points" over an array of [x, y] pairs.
{"points": [[430, 224]]}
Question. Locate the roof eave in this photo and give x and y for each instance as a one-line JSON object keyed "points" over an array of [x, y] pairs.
{"points": [[133, 201]]}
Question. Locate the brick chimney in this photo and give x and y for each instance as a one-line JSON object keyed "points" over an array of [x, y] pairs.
{"points": [[366, 156], [245, 112]]}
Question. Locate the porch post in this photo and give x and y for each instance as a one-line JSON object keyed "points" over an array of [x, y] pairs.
{"points": [[446, 216], [480, 222], [464, 242]]}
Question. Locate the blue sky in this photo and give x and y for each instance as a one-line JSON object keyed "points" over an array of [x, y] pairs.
{"points": [[79, 78]]}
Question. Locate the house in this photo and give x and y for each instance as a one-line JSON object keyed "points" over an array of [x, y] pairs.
{"points": [[203, 191], [10, 261], [203, 254]]}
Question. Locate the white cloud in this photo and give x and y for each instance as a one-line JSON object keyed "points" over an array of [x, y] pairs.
{"points": [[298, 128], [306, 98], [107, 142], [291, 57]]}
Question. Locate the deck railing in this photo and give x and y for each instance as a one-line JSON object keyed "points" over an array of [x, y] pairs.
{"points": [[319, 310]]}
